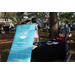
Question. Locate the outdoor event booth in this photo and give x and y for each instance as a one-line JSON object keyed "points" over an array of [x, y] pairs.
{"points": [[21, 49], [52, 50]]}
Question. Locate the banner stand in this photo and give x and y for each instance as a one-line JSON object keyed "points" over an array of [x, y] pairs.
{"points": [[67, 54], [21, 48], [68, 58]]}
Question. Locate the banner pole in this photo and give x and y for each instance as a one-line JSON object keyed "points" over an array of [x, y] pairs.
{"points": [[67, 54]]}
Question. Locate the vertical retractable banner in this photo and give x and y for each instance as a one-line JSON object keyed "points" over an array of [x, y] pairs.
{"points": [[67, 54], [21, 48]]}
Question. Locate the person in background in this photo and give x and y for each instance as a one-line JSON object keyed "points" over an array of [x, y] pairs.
{"points": [[36, 35], [58, 30], [69, 30], [38, 27], [61, 35], [70, 35]]}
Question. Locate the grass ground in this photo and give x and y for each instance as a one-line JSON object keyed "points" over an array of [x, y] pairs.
{"points": [[7, 39]]}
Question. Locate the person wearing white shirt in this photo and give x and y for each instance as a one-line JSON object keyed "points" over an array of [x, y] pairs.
{"points": [[36, 35]]}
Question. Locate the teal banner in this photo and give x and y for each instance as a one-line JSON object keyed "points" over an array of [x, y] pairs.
{"points": [[21, 48]]}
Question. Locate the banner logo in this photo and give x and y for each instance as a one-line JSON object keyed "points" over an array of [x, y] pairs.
{"points": [[24, 33]]}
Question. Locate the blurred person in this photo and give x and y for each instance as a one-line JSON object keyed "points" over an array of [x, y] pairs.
{"points": [[38, 27], [58, 30], [66, 22], [36, 35], [69, 30], [70, 35], [61, 35]]}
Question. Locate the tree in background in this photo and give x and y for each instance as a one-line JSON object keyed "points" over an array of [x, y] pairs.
{"points": [[70, 16], [53, 21], [14, 16], [36, 14], [53, 25], [40, 15], [19, 16]]}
